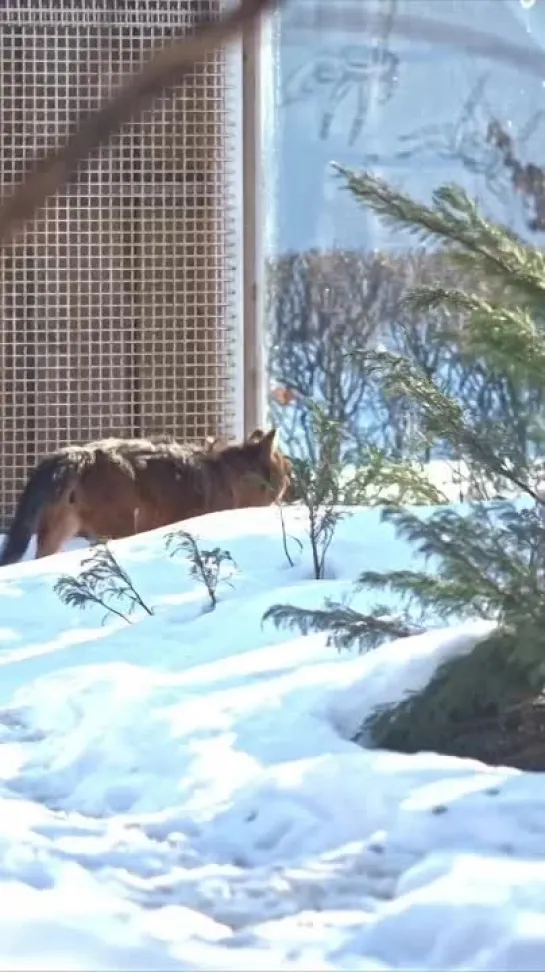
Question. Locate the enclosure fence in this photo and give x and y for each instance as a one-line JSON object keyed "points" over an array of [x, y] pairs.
{"points": [[118, 308]]}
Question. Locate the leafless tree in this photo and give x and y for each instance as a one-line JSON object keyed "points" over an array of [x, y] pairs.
{"points": [[321, 306]]}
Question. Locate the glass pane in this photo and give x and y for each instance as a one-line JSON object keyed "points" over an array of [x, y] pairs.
{"points": [[422, 93]]}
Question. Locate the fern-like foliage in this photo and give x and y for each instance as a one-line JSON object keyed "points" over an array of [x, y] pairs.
{"points": [[205, 565], [102, 581], [345, 627]]}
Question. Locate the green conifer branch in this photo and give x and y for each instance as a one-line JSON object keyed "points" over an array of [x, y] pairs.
{"points": [[442, 417], [345, 627], [509, 337], [453, 221]]}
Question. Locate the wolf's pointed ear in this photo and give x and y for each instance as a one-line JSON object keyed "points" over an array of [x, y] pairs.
{"points": [[256, 435], [269, 442]]}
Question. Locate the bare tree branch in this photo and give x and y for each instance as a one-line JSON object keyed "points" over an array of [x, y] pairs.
{"points": [[167, 67]]}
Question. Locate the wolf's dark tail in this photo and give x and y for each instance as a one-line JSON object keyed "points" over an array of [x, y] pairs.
{"points": [[46, 484]]}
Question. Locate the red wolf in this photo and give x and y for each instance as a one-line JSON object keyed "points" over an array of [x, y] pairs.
{"points": [[118, 487]]}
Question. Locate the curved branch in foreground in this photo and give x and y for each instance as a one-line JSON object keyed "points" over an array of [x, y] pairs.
{"points": [[166, 68]]}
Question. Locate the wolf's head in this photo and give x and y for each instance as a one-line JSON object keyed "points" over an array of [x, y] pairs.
{"points": [[257, 471]]}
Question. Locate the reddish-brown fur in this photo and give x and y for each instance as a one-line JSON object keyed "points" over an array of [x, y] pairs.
{"points": [[117, 487]]}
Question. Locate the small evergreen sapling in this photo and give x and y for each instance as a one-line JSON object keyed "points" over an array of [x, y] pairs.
{"points": [[326, 487], [205, 565], [338, 476], [490, 562], [317, 484], [102, 581], [489, 565]]}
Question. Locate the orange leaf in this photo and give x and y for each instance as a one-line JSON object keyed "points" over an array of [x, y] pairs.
{"points": [[284, 396]]}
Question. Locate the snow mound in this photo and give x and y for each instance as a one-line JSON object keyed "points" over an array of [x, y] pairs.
{"points": [[183, 793]]}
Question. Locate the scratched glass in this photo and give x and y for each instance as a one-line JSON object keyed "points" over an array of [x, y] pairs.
{"points": [[422, 92]]}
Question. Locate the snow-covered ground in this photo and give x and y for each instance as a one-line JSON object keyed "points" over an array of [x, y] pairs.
{"points": [[182, 792]]}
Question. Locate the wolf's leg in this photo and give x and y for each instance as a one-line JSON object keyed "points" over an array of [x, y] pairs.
{"points": [[56, 528]]}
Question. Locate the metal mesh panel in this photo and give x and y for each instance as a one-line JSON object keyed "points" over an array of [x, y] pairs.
{"points": [[115, 302]]}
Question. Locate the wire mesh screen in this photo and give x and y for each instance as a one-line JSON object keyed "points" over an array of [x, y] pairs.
{"points": [[116, 315]]}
